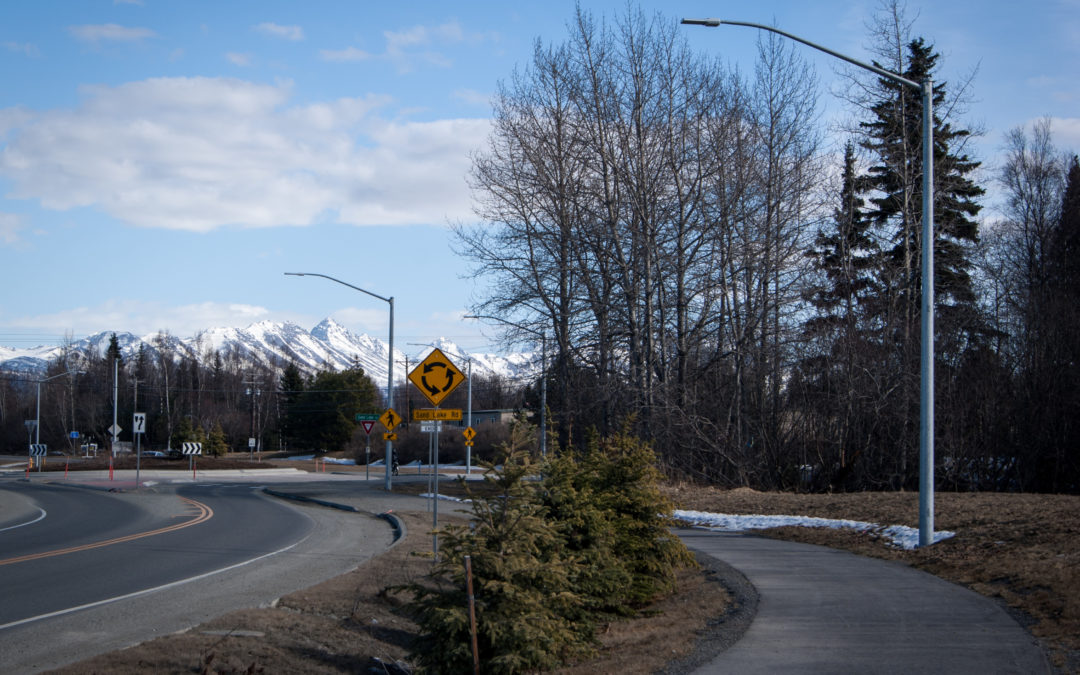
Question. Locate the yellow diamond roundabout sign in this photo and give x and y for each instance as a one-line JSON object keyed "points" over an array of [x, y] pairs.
{"points": [[436, 377]]}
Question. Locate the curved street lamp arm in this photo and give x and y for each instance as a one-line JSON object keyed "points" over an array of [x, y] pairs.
{"points": [[712, 23], [324, 276]]}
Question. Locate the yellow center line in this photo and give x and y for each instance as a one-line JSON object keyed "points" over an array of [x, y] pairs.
{"points": [[202, 514]]}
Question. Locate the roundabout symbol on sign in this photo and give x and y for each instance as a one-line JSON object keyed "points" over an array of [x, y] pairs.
{"points": [[436, 377]]}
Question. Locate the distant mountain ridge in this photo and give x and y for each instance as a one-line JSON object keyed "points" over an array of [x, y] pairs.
{"points": [[327, 345]]}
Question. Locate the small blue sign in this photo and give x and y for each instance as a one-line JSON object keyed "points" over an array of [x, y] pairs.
{"points": [[74, 434]]}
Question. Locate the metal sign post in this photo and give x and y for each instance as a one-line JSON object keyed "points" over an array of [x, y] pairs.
{"points": [[138, 428], [436, 377], [368, 423]]}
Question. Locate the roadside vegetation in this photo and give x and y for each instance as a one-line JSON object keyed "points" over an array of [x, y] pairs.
{"points": [[552, 560]]}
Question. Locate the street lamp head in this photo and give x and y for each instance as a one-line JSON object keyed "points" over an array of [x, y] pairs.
{"points": [[712, 23]]}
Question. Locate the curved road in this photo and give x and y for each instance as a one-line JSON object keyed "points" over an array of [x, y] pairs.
{"points": [[104, 570]]}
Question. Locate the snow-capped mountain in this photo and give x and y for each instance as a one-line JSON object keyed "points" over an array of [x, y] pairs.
{"points": [[327, 345]]}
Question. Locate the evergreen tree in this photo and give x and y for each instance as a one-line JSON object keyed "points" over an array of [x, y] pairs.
{"points": [[217, 445], [112, 353], [893, 185], [329, 406], [185, 432], [290, 393], [1058, 419], [521, 582], [832, 378]]}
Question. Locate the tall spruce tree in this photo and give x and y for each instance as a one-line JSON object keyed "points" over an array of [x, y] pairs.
{"points": [[1058, 466], [893, 186], [291, 391], [832, 377]]}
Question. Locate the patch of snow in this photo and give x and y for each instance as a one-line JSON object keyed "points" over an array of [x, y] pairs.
{"points": [[900, 536], [447, 498]]}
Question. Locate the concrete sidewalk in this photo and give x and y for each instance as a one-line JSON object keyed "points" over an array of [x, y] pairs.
{"points": [[822, 610]]}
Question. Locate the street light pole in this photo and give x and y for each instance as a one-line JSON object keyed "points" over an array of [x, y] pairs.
{"points": [[926, 385], [37, 414], [390, 365], [543, 372]]}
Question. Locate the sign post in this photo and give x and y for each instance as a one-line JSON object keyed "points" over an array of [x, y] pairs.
{"points": [[368, 423], [436, 377], [138, 428]]}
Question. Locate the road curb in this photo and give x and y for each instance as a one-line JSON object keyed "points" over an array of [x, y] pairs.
{"points": [[395, 523]]}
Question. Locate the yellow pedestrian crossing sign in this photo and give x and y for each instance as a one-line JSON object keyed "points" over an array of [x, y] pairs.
{"points": [[436, 377], [390, 419], [469, 433]]}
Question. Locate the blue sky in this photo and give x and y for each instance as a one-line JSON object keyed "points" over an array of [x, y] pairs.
{"points": [[163, 163]]}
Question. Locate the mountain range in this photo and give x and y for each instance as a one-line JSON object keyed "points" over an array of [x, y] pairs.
{"points": [[327, 345]]}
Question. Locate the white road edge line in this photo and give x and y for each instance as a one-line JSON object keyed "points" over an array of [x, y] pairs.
{"points": [[29, 522], [147, 591]]}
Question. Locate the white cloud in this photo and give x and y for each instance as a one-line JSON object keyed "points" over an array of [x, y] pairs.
{"points": [[1066, 132], [200, 153], [143, 318], [370, 321], [344, 55], [10, 224], [405, 48], [110, 32], [27, 49], [291, 33], [473, 97], [237, 59]]}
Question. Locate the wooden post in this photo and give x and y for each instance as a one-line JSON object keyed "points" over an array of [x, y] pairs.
{"points": [[472, 615]]}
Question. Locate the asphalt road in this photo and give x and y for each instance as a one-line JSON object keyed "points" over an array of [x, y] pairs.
{"points": [[101, 571]]}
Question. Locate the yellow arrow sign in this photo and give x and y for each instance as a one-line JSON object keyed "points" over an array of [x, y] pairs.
{"points": [[469, 433], [390, 419], [436, 377]]}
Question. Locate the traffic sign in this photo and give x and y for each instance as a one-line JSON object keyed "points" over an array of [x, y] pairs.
{"points": [[430, 427], [367, 417], [389, 437], [139, 423], [74, 434], [469, 444], [469, 434], [191, 448], [115, 430], [425, 414], [390, 419], [368, 425], [38, 449], [436, 377]]}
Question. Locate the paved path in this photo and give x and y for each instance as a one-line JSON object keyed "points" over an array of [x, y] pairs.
{"points": [[826, 611]]}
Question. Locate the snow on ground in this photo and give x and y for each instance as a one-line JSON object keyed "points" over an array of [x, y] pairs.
{"points": [[900, 536], [308, 458]]}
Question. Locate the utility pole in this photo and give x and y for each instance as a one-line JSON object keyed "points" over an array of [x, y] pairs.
{"points": [[252, 392]]}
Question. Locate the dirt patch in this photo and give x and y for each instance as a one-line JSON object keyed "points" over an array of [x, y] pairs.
{"points": [[1023, 549]]}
